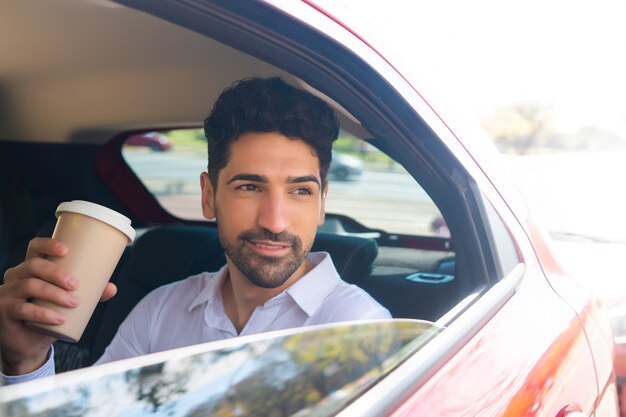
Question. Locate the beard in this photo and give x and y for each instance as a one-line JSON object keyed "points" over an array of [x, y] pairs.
{"points": [[265, 271]]}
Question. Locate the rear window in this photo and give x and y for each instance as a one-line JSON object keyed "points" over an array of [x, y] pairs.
{"points": [[366, 185]]}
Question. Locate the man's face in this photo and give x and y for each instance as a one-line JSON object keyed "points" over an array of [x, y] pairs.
{"points": [[268, 204]]}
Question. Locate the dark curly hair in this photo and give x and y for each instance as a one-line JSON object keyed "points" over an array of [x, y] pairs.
{"points": [[269, 105]]}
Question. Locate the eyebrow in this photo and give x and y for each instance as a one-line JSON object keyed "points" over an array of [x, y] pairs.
{"points": [[305, 178], [263, 179], [248, 177]]}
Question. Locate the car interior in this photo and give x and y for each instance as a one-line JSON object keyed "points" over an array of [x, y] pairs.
{"points": [[75, 91]]}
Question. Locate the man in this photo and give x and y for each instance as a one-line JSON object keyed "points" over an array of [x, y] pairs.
{"points": [[269, 153]]}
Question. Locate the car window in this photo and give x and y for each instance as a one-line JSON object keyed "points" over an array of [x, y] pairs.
{"points": [[505, 253], [316, 372], [366, 185], [172, 173]]}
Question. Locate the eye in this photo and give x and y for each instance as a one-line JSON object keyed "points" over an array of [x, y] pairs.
{"points": [[248, 187], [303, 191]]}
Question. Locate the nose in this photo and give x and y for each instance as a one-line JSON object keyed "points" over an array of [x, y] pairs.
{"points": [[273, 214]]}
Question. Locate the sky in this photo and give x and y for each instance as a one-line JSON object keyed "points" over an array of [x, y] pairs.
{"points": [[482, 55], [568, 55]]}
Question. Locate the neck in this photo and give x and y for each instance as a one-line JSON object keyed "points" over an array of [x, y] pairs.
{"points": [[241, 297]]}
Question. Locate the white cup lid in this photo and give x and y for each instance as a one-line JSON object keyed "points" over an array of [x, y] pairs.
{"points": [[96, 211]]}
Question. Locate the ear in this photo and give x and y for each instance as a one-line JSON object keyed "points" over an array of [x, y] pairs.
{"points": [[208, 196], [323, 205]]}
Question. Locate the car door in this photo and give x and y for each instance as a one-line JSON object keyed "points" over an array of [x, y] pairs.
{"points": [[512, 344]]}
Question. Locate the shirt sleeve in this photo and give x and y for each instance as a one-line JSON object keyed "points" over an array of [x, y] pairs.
{"points": [[133, 336], [47, 369]]}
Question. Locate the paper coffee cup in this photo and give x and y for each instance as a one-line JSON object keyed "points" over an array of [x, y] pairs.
{"points": [[96, 237]]}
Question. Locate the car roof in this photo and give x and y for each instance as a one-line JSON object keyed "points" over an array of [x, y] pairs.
{"points": [[84, 71]]}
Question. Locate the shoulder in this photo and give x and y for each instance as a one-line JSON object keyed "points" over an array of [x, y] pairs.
{"points": [[143, 330], [340, 301], [179, 292], [349, 302]]}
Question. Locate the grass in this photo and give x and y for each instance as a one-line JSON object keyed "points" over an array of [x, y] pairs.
{"points": [[358, 148], [187, 140], [193, 141]]}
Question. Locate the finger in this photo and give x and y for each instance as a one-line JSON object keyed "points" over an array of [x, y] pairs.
{"points": [[31, 312], [44, 270], [28, 288], [40, 247], [109, 292]]}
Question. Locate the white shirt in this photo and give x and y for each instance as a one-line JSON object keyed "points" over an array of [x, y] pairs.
{"points": [[191, 311]]}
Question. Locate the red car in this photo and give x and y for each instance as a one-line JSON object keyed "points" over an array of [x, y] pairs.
{"points": [[153, 140], [486, 322]]}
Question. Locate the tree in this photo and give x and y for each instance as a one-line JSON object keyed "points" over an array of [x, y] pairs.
{"points": [[521, 127]]}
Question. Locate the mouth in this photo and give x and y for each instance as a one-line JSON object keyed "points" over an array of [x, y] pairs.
{"points": [[268, 247]]}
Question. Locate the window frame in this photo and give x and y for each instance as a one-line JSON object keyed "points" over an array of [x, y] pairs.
{"points": [[365, 93]]}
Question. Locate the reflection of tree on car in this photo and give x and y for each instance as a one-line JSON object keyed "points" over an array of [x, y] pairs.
{"points": [[344, 166]]}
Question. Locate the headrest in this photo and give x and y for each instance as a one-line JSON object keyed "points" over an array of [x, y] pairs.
{"points": [[170, 253], [353, 256]]}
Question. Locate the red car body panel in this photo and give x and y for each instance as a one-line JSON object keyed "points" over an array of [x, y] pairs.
{"points": [[153, 140], [512, 375]]}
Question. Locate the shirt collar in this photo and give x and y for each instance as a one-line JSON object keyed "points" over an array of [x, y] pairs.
{"points": [[212, 288], [308, 292]]}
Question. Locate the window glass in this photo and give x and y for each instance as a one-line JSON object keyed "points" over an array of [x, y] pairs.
{"points": [[314, 373], [169, 165], [365, 184], [503, 247]]}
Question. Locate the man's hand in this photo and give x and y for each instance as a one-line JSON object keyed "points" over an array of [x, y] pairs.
{"points": [[23, 348]]}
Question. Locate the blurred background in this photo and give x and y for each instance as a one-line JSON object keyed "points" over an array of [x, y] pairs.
{"points": [[546, 81]]}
